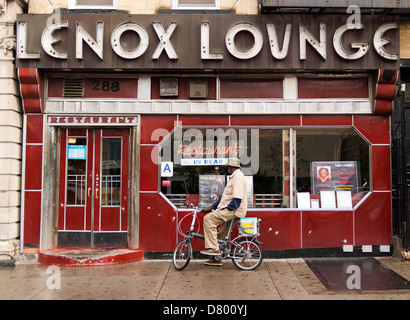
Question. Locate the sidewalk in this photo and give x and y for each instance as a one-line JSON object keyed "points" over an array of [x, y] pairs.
{"points": [[284, 279]]}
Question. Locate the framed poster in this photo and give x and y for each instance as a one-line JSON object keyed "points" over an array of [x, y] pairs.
{"points": [[334, 176], [211, 188]]}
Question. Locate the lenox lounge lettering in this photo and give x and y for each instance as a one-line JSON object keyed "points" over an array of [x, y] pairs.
{"points": [[279, 47]]}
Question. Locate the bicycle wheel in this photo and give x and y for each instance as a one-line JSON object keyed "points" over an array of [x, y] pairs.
{"points": [[246, 254], [182, 254]]}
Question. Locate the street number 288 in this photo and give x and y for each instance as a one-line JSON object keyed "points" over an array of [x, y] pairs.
{"points": [[113, 86]]}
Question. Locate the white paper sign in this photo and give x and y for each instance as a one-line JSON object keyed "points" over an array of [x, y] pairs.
{"points": [[327, 199], [303, 200], [344, 199]]}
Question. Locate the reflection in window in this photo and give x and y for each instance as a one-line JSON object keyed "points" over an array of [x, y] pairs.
{"points": [[199, 171], [111, 172], [76, 171], [280, 165], [332, 160]]}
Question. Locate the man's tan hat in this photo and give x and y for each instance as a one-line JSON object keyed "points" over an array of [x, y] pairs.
{"points": [[234, 162]]}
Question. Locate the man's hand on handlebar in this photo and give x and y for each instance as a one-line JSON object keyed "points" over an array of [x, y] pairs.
{"points": [[207, 209]]}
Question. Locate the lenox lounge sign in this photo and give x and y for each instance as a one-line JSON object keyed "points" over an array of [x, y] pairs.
{"points": [[208, 42]]}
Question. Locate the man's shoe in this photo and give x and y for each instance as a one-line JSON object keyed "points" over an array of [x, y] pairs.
{"points": [[211, 252], [214, 261]]}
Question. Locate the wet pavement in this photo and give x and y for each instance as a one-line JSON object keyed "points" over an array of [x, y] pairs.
{"points": [[281, 279]]}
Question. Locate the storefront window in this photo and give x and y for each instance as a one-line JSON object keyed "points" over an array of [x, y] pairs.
{"points": [[198, 158], [332, 168], [76, 171], [111, 172], [316, 164]]}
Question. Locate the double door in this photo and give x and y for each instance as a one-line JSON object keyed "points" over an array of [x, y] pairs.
{"points": [[93, 188]]}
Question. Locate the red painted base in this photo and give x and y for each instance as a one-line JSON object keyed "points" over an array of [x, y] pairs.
{"points": [[80, 257]]}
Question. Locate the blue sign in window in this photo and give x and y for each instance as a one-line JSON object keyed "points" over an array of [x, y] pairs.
{"points": [[76, 152]]}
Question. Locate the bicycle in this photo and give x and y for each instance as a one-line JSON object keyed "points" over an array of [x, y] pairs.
{"points": [[244, 250]]}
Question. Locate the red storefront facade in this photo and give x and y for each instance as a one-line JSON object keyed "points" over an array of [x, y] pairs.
{"points": [[106, 102]]}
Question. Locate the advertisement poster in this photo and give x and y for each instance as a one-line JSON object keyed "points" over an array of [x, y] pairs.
{"points": [[334, 176], [211, 188]]}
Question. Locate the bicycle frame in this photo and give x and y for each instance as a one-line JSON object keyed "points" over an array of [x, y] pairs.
{"points": [[245, 252], [225, 253]]}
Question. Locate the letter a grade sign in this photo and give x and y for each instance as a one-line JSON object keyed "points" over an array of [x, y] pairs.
{"points": [[167, 169]]}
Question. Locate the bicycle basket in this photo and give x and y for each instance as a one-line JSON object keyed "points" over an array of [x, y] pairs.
{"points": [[249, 226]]}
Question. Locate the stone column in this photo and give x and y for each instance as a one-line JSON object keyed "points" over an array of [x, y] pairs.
{"points": [[10, 134]]}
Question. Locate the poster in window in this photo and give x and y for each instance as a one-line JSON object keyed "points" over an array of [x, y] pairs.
{"points": [[76, 152], [334, 176], [211, 188]]}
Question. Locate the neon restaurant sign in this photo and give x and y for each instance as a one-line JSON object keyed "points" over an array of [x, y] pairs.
{"points": [[208, 42]]}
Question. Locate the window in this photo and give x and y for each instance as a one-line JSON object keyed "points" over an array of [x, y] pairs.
{"points": [[196, 4], [251, 88], [317, 88], [335, 160], [281, 166], [91, 4]]}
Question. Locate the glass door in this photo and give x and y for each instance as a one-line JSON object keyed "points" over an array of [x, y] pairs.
{"points": [[93, 189]]}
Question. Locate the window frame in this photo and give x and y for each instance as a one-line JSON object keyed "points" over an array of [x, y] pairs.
{"points": [[177, 6], [72, 4]]}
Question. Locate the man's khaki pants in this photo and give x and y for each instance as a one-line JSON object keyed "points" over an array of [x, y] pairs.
{"points": [[212, 221]]}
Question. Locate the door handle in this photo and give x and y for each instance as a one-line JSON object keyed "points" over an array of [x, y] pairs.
{"points": [[96, 193], [89, 192]]}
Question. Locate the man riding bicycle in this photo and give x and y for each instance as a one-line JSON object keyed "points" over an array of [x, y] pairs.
{"points": [[232, 204]]}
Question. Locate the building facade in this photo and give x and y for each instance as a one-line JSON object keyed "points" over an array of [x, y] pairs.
{"points": [[10, 133], [129, 112]]}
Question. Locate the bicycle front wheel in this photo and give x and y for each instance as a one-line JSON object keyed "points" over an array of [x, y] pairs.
{"points": [[246, 254], [182, 254]]}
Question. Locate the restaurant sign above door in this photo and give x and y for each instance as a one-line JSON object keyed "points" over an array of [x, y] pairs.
{"points": [[207, 42]]}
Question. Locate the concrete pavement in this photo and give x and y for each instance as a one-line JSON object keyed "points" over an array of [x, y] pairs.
{"points": [[281, 279]]}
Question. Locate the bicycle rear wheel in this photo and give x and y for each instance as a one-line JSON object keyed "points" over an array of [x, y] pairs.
{"points": [[182, 254], [247, 254]]}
